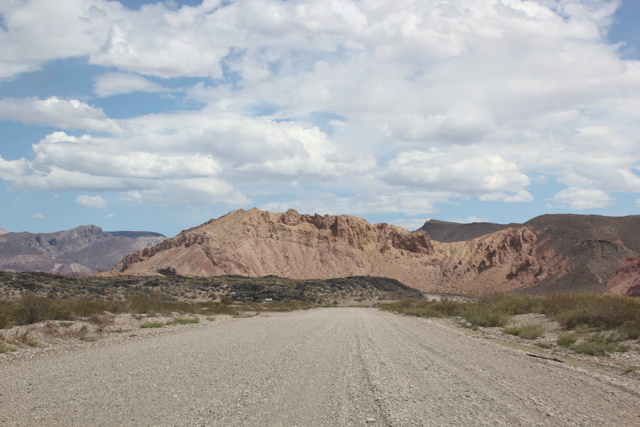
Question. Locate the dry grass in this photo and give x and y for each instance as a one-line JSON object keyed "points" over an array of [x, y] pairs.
{"points": [[593, 325]]}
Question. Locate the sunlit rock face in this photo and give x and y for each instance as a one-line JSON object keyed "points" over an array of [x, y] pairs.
{"points": [[552, 253]]}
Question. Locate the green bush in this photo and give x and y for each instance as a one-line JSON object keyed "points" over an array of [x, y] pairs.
{"points": [[513, 304], [630, 329], [6, 348], [424, 308], [567, 339], [5, 320], [483, 315], [31, 309], [527, 332], [152, 325], [606, 312], [447, 307], [184, 321], [599, 345]]}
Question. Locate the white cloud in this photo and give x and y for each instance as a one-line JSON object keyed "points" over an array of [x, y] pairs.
{"points": [[191, 158], [170, 43], [119, 83], [457, 171], [37, 31], [93, 202], [449, 100], [383, 199], [68, 114], [520, 196], [37, 216], [582, 198]]}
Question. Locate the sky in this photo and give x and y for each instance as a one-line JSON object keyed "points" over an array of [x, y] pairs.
{"points": [[158, 116]]}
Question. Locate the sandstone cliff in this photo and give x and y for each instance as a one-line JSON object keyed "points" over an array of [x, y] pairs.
{"points": [[257, 243], [552, 253]]}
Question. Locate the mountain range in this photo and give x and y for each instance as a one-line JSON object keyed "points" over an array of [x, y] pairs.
{"points": [[548, 254], [83, 250]]}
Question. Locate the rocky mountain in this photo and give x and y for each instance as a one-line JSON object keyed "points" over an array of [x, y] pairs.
{"points": [[3, 231], [258, 243], [82, 250], [551, 253]]}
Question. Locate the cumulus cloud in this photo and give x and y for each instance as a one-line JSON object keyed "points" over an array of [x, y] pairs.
{"points": [[119, 83], [382, 200], [37, 31], [456, 171], [94, 202], [432, 101], [582, 198], [69, 114], [198, 158]]}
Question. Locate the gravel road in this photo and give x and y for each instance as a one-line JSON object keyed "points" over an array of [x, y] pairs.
{"points": [[335, 367]]}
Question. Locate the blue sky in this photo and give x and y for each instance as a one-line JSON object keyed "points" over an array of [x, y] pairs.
{"points": [[141, 115]]}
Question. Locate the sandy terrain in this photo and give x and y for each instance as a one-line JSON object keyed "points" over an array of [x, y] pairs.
{"points": [[335, 367]]}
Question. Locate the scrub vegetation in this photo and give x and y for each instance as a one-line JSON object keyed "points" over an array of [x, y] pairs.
{"points": [[591, 324], [27, 298]]}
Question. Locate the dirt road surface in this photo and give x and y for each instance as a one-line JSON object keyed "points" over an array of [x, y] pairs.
{"points": [[333, 367]]}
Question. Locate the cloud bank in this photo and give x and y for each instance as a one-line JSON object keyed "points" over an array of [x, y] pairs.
{"points": [[365, 106]]}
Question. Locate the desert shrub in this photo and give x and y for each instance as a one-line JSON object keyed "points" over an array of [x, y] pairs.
{"points": [[599, 345], [285, 306], [6, 348], [31, 309], [528, 332], [424, 308], [86, 307], [630, 329], [145, 304], [152, 325], [447, 307], [412, 307], [59, 310], [607, 312], [211, 307], [513, 304], [5, 320], [484, 315], [6, 314], [26, 339], [567, 339]]}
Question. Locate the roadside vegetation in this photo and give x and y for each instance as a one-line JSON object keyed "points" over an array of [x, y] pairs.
{"points": [[80, 307], [590, 324], [38, 310]]}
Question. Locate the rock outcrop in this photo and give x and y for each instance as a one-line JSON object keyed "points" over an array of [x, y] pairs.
{"points": [[257, 243], [82, 250], [551, 253]]}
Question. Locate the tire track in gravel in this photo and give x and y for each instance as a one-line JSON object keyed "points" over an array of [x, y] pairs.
{"points": [[325, 367]]}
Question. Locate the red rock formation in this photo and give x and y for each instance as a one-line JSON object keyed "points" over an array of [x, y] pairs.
{"points": [[627, 278], [549, 254], [257, 243]]}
